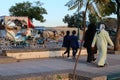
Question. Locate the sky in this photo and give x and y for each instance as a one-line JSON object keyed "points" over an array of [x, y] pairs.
{"points": [[56, 10]]}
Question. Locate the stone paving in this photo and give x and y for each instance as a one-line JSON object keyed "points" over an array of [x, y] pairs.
{"points": [[60, 64]]}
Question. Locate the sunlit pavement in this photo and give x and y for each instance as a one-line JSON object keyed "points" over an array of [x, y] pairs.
{"points": [[58, 64]]}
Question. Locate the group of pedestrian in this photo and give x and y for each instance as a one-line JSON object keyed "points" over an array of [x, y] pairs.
{"points": [[70, 41], [97, 40]]}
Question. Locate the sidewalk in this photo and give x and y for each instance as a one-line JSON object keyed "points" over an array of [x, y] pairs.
{"points": [[45, 65]]}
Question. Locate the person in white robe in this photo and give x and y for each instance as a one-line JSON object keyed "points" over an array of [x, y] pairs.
{"points": [[102, 39]]}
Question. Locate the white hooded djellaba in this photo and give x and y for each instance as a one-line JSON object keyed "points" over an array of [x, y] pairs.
{"points": [[102, 39]]}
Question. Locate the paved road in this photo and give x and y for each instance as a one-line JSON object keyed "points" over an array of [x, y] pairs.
{"points": [[57, 64]]}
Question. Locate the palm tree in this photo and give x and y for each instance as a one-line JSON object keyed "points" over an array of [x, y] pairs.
{"points": [[107, 7], [103, 8], [78, 4], [117, 40]]}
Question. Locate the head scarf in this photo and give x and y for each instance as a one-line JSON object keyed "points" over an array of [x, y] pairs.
{"points": [[101, 27]]}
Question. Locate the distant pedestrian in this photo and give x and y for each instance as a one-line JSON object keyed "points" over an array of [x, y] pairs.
{"points": [[66, 43], [74, 43], [101, 39], [89, 35]]}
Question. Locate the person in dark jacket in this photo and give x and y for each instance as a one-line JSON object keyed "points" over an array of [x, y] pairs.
{"points": [[89, 35], [66, 43], [74, 43]]}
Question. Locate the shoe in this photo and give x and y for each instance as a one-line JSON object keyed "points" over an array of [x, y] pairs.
{"points": [[100, 66], [94, 59], [89, 61]]}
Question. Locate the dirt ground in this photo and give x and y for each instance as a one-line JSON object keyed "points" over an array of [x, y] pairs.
{"points": [[64, 29]]}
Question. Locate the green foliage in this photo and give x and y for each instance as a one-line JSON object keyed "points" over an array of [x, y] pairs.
{"points": [[74, 20], [66, 18], [101, 9], [92, 18], [73, 4], [33, 11], [106, 9], [111, 23]]}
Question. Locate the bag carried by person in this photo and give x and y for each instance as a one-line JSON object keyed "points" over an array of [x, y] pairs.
{"points": [[94, 50]]}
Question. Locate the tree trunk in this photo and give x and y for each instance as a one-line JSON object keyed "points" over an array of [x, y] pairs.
{"points": [[84, 24], [117, 40]]}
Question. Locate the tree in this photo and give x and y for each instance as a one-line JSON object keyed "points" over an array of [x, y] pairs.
{"points": [[111, 23], [113, 6], [28, 9], [72, 4], [93, 19], [111, 27], [72, 20], [97, 8], [66, 19], [107, 7], [117, 41], [103, 8]]}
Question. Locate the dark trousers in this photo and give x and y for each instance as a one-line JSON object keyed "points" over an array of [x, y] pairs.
{"points": [[74, 51], [67, 51], [90, 56]]}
